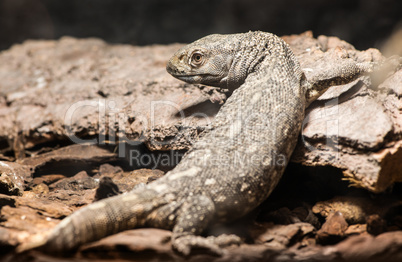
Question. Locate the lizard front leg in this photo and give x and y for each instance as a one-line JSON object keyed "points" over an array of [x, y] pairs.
{"points": [[194, 217], [344, 72]]}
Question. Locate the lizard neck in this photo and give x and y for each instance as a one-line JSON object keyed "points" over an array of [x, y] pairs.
{"points": [[251, 52]]}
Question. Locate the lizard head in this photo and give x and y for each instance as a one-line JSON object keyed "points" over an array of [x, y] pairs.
{"points": [[206, 61]]}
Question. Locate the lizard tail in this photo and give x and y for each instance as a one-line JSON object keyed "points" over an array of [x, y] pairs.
{"points": [[100, 219]]}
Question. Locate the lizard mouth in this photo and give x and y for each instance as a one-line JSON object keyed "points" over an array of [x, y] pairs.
{"points": [[193, 79]]}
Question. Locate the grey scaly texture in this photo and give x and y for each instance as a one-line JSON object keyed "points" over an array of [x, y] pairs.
{"points": [[237, 162]]}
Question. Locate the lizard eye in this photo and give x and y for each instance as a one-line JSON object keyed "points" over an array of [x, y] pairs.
{"points": [[197, 59]]}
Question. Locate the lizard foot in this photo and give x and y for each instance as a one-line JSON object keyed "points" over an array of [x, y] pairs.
{"points": [[185, 244]]}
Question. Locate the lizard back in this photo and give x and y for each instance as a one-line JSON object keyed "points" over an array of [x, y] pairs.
{"points": [[241, 158]]}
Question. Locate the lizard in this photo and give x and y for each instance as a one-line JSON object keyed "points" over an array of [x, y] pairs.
{"points": [[235, 164]]}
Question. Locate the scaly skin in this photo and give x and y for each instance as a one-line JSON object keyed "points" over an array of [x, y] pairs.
{"points": [[236, 163]]}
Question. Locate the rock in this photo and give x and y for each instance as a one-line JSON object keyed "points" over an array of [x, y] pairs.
{"points": [[376, 225], [10, 238], [13, 177], [359, 135], [372, 131], [143, 244], [356, 229], [155, 176], [107, 169], [155, 245], [126, 181], [6, 200], [350, 127], [70, 154], [281, 236], [106, 189], [121, 84], [81, 181], [47, 179], [393, 84], [41, 188], [72, 198], [8, 187], [384, 247], [24, 219], [333, 230], [43, 206]]}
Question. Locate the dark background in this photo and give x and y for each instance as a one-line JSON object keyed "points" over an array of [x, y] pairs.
{"points": [[364, 23]]}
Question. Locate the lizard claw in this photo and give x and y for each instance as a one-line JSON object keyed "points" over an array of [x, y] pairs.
{"points": [[185, 244]]}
